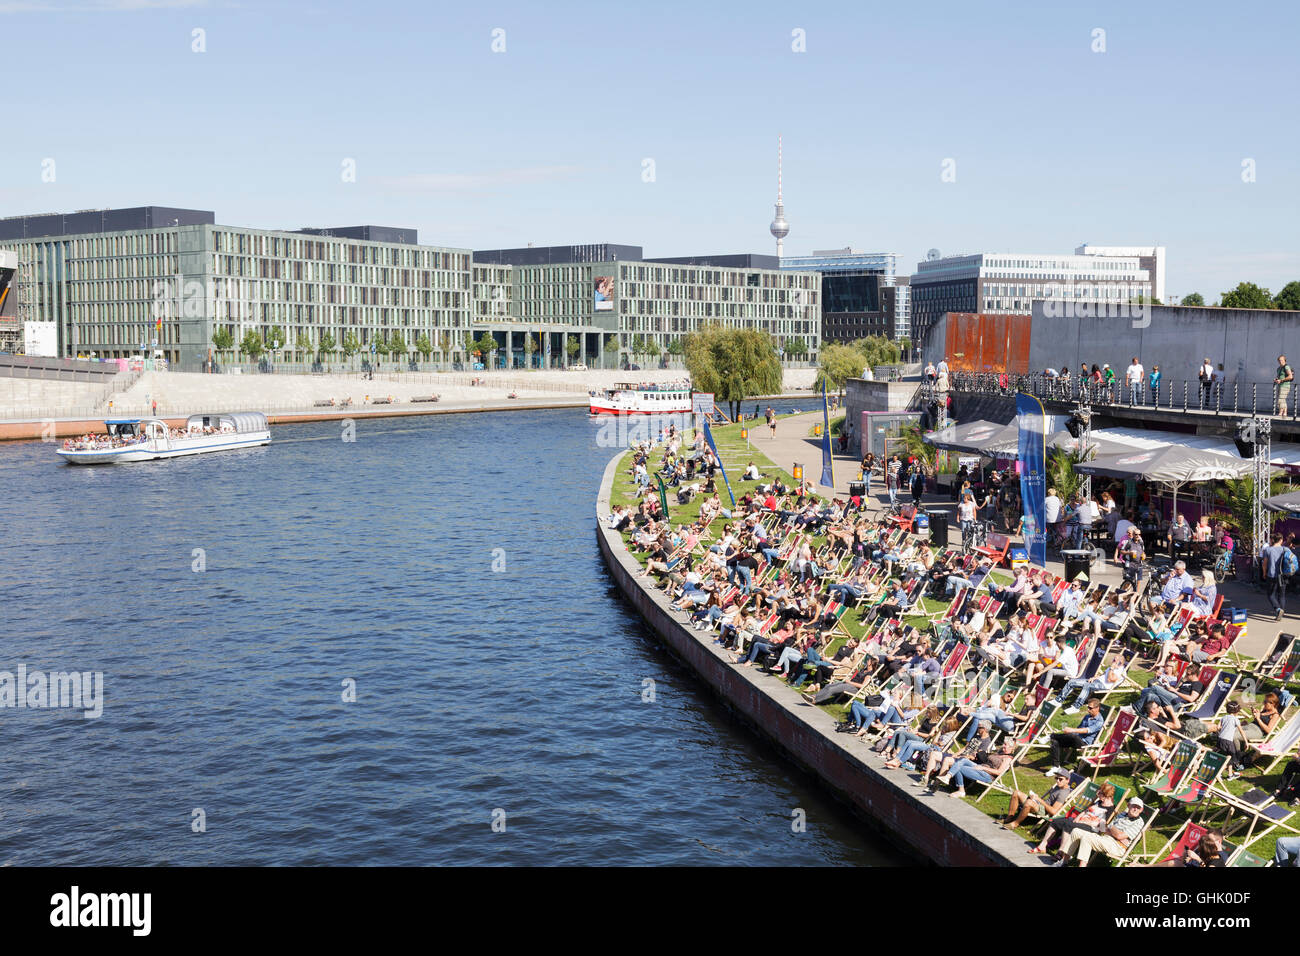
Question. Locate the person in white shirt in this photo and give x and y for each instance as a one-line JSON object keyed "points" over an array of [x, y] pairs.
{"points": [[1206, 376], [1121, 530], [1135, 376], [1051, 508]]}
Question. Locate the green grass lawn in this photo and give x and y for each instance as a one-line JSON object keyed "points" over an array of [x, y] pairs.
{"points": [[1029, 774]]}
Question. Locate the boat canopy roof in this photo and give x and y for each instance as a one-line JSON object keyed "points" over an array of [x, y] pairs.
{"points": [[240, 421], [121, 421], [652, 387]]}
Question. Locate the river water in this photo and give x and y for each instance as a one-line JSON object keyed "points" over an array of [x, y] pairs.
{"points": [[445, 567]]}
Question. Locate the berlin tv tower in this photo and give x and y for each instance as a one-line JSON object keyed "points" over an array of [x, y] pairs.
{"points": [[780, 228]]}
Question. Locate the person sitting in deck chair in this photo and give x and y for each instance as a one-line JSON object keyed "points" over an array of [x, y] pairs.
{"points": [[1114, 842], [1106, 681], [1048, 805], [985, 768]]}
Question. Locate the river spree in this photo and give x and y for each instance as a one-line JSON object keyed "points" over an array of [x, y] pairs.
{"points": [[445, 568]]}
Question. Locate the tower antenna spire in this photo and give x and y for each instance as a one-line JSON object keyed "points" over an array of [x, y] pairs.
{"points": [[779, 228]]}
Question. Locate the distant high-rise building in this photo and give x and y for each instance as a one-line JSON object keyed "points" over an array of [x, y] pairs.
{"points": [[861, 295]]}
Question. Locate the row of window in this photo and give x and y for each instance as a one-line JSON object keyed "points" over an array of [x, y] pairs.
{"points": [[337, 250]]}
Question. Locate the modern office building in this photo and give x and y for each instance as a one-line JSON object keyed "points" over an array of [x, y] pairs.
{"points": [[116, 282], [1008, 282], [612, 299], [1151, 258], [860, 294]]}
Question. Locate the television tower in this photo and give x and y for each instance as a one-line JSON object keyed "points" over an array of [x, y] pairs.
{"points": [[780, 228]]}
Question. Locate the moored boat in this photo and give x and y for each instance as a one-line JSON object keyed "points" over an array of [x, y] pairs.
{"points": [[147, 439], [642, 399]]}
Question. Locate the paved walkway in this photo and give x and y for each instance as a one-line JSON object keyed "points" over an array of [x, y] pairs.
{"points": [[793, 444]]}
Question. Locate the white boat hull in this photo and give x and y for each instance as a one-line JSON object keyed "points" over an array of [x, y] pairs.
{"points": [[154, 449]]}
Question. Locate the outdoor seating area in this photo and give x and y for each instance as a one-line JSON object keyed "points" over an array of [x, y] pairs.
{"points": [[1119, 722]]}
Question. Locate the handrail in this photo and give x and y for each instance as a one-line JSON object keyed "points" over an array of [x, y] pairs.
{"points": [[1218, 398]]}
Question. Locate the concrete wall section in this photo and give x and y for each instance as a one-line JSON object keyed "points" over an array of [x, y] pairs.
{"points": [[1246, 341], [941, 831]]}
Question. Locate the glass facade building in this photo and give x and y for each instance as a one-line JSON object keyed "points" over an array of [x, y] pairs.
{"points": [[859, 293], [166, 279]]}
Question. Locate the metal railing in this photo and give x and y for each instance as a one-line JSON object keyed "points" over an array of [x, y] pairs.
{"points": [[1217, 398]]}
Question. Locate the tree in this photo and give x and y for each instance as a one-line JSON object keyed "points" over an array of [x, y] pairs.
{"points": [[916, 445], [733, 364], [837, 365], [1236, 496], [1194, 298], [303, 346], [423, 345], [251, 345], [1247, 295], [877, 350], [223, 340], [397, 346], [444, 345], [483, 347], [572, 347], [381, 347], [351, 345], [275, 339], [675, 347], [1289, 297], [796, 348], [326, 345], [1061, 474]]}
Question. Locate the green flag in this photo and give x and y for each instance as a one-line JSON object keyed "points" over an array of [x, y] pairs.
{"points": [[663, 494]]}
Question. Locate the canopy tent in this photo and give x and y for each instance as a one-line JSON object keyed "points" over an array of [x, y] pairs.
{"points": [[1289, 502], [1283, 453], [1172, 465], [964, 437]]}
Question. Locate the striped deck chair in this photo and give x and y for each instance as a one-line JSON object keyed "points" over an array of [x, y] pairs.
{"points": [[1188, 837], [1282, 743], [1169, 778], [1244, 858], [1114, 745], [1291, 668], [1196, 788], [1035, 731]]}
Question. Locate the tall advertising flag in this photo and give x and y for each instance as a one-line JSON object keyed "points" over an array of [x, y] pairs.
{"points": [[663, 495], [1033, 474], [828, 472], [708, 437]]}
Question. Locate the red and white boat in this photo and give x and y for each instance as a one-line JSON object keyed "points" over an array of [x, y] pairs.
{"points": [[642, 399]]}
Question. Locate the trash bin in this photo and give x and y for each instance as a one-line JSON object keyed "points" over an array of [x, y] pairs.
{"points": [[1076, 562], [939, 529]]}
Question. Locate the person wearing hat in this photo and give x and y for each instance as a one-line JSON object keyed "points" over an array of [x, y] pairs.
{"points": [[1048, 805], [1117, 838]]}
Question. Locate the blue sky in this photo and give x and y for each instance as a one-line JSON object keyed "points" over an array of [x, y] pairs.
{"points": [[546, 142]]}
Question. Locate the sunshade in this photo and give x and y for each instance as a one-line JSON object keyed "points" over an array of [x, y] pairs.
{"points": [[1289, 502], [1172, 464]]}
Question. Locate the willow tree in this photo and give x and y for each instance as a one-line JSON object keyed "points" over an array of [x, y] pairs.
{"points": [[733, 364]]}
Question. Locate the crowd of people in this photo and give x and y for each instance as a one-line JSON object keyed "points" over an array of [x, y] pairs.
{"points": [[964, 695]]}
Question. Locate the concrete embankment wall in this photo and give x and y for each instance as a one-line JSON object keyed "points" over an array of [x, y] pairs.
{"points": [[930, 828]]}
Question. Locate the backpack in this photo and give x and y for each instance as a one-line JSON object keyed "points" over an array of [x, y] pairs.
{"points": [[1289, 563]]}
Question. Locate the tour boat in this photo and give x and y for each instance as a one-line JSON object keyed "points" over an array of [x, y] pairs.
{"points": [[642, 399], [135, 439]]}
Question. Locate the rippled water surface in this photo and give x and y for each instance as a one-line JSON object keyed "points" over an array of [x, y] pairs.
{"points": [[370, 560]]}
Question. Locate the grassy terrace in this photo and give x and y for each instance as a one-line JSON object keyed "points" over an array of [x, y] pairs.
{"points": [[1030, 774]]}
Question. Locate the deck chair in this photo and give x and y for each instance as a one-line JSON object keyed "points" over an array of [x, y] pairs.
{"points": [[1215, 696], [1257, 809], [1272, 663], [1188, 837], [1244, 858], [1114, 744], [1169, 778], [1282, 743], [1196, 788]]}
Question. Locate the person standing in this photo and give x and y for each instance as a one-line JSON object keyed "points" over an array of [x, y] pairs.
{"points": [[1153, 380], [1272, 564], [1283, 379], [891, 479], [771, 422], [1134, 375], [1206, 376]]}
